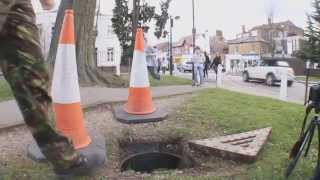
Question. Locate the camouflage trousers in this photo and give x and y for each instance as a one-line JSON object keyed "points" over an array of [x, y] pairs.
{"points": [[23, 67]]}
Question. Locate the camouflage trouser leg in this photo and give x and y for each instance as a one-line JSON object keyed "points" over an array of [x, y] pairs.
{"points": [[23, 67]]}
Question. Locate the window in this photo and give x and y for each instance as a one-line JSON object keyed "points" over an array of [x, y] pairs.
{"points": [[110, 30], [110, 54]]}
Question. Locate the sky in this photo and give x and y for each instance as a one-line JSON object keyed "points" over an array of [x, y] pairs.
{"points": [[226, 15]]}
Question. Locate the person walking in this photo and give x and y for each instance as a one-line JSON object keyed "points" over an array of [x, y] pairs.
{"points": [[206, 66], [197, 60], [164, 65], [152, 62], [22, 64]]}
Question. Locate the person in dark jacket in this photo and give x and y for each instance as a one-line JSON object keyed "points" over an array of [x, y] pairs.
{"points": [[216, 62], [207, 63]]}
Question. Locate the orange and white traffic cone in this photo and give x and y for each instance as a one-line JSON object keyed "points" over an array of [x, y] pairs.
{"points": [[65, 88], [140, 99]]}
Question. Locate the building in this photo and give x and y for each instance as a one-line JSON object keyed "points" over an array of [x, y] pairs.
{"points": [[280, 39], [108, 49], [183, 49], [250, 45], [218, 44], [277, 34]]}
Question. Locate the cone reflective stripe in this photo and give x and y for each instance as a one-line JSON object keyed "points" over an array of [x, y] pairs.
{"points": [[140, 99], [65, 88]]}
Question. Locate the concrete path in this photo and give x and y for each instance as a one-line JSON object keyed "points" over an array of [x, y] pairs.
{"points": [[11, 116]]}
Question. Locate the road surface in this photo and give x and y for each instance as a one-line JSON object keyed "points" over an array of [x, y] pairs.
{"points": [[296, 93]]}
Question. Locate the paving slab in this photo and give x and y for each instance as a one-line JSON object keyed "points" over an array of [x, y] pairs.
{"points": [[243, 147]]}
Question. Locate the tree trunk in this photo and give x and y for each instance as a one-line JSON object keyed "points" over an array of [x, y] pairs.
{"points": [[65, 4], [89, 73]]}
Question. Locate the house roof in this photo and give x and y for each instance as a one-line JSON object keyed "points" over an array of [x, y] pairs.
{"points": [[246, 40], [163, 45], [278, 25]]}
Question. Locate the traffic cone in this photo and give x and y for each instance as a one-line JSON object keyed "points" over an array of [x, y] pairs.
{"points": [[65, 87], [139, 99]]}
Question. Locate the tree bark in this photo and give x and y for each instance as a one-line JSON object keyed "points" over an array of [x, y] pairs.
{"points": [[65, 4], [89, 73]]}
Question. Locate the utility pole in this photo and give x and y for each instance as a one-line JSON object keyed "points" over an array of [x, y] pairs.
{"points": [[135, 15], [193, 28], [171, 58]]}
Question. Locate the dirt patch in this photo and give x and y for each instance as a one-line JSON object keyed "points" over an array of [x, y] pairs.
{"points": [[13, 154]]}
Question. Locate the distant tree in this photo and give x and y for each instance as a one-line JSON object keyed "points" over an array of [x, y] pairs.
{"points": [[311, 49], [125, 22]]}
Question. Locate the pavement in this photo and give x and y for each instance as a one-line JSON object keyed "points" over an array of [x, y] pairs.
{"points": [[92, 96], [296, 93]]}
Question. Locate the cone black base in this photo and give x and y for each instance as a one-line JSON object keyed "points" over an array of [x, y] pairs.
{"points": [[95, 152], [126, 118]]}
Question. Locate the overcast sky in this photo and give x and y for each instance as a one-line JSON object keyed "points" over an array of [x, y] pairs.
{"points": [[227, 15]]}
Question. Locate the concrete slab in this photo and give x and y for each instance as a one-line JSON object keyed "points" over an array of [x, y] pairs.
{"points": [[243, 147], [124, 117], [95, 152]]}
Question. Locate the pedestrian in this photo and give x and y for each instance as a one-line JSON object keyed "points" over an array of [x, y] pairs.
{"points": [[206, 65], [198, 61], [215, 63], [152, 62], [164, 65], [22, 64], [159, 65]]}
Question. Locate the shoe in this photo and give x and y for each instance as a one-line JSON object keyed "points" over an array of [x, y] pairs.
{"points": [[80, 168]]}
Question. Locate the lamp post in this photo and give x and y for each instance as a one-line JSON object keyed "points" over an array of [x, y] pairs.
{"points": [[171, 56], [193, 28], [193, 41]]}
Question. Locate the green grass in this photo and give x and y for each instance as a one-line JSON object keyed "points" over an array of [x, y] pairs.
{"points": [[5, 92], [216, 111], [312, 78], [169, 81], [234, 113]]}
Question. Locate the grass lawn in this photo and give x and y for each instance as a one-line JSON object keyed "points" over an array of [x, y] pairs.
{"points": [[5, 92], [234, 112], [311, 78], [169, 80], [215, 112]]}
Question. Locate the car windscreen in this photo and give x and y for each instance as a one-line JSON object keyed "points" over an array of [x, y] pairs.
{"points": [[275, 63], [282, 64]]}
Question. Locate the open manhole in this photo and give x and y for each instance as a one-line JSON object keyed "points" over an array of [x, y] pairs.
{"points": [[148, 162], [148, 157]]}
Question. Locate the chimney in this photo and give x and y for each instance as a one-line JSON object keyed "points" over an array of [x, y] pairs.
{"points": [[219, 33], [243, 29], [269, 20]]}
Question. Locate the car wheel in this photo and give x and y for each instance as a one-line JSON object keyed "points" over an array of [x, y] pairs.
{"points": [[245, 76], [270, 79], [290, 83]]}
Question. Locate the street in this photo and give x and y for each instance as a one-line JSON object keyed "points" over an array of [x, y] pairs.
{"points": [[296, 93]]}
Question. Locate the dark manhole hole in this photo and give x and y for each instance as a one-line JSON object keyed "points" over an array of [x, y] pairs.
{"points": [[146, 157], [147, 162]]}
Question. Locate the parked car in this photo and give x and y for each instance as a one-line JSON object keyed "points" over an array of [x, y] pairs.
{"points": [[269, 71], [186, 66]]}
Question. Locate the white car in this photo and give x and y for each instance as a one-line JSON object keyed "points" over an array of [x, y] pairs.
{"points": [[269, 71]]}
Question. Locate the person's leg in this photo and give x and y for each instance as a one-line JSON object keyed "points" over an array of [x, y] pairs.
{"points": [[201, 73], [23, 67], [195, 74]]}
